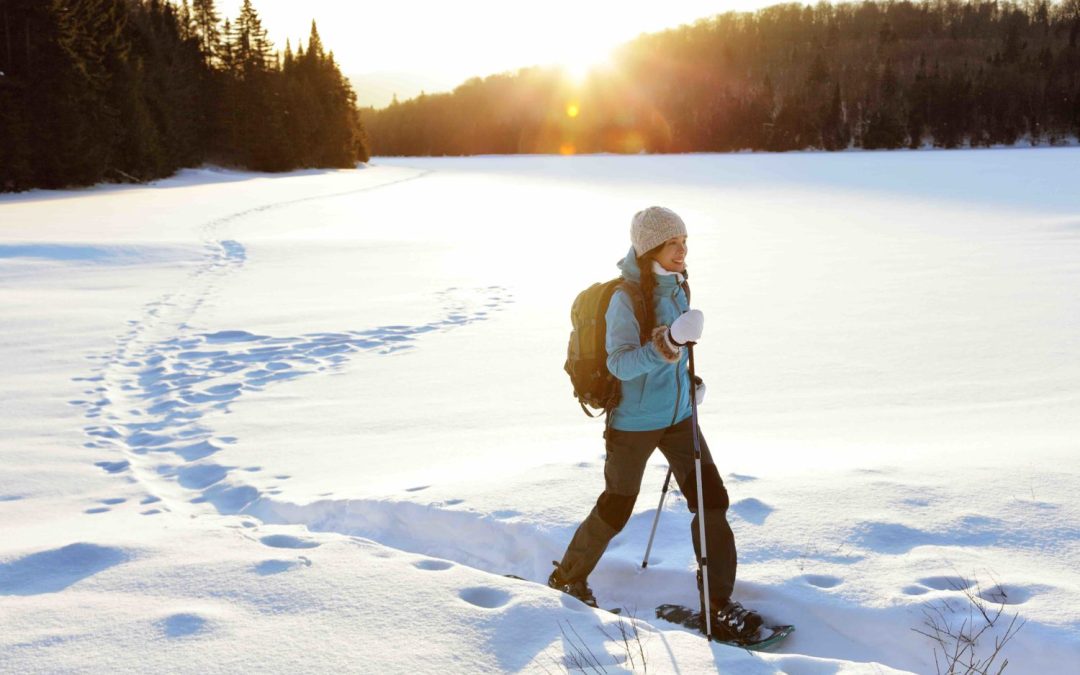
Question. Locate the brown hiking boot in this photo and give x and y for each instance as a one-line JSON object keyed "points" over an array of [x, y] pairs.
{"points": [[579, 589]]}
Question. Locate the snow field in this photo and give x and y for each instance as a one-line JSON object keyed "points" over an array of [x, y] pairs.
{"points": [[328, 409]]}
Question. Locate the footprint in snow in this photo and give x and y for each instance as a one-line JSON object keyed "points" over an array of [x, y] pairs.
{"points": [[997, 594], [822, 580], [892, 538], [288, 541], [201, 476], [486, 598], [1010, 594], [114, 467], [54, 570], [432, 565], [268, 567], [183, 625], [752, 510]]}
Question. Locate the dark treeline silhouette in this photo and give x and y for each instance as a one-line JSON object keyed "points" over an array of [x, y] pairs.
{"points": [[130, 90], [868, 75]]}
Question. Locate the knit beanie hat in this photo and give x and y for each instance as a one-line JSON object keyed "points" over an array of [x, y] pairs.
{"points": [[653, 226]]}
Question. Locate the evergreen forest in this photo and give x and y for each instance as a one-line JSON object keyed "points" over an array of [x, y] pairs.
{"points": [[131, 90], [873, 75]]}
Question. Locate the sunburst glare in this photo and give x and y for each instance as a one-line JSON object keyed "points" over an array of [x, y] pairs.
{"points": [[578, 63]]}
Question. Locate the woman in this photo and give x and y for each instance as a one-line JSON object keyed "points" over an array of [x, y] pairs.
{"points": [[655, 412]]}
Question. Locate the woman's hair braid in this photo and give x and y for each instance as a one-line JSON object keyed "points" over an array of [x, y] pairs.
{"points": [[648, 285]]}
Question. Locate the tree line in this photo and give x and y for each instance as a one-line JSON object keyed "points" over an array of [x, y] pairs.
{"points": [[869, 75], [132, 90]]}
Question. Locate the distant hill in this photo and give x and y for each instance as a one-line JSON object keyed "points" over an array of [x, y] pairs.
{"points": [[874, 75]]}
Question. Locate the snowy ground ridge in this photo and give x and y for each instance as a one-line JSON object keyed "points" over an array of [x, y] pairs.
{"points": [[493, 542]]}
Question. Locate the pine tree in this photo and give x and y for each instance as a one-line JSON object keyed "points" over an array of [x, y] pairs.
{"points": [[187, 25], [315, 46], [73, 122], [884, 127], [834, 134], [919, 103], [206, 21], [252, 46]]}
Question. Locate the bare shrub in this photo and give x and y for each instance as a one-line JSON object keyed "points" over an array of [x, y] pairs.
{"points": [[632, 643], [580, 657], [961, 630]]}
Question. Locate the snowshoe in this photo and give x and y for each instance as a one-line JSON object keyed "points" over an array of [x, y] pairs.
{"points": [[764, 637]]}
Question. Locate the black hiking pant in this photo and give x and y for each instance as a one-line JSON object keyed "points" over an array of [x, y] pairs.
{"points": [[627, 454]]}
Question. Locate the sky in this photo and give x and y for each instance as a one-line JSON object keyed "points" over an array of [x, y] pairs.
{"points": [[412, 45]]}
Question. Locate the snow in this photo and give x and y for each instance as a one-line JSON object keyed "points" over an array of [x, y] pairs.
{"points": [[307, 422]]}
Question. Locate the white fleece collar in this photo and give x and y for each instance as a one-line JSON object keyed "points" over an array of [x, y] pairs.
{"points": [[657, 268]]}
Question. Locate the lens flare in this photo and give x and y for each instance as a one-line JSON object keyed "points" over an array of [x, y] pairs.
{"points": [[633, 143], [572, 110]]}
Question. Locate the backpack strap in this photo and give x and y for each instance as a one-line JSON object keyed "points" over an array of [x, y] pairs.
{"points": [[637, 298]]}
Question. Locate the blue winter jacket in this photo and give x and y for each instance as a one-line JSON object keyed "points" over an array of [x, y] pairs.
{"points": [[655, 393]]}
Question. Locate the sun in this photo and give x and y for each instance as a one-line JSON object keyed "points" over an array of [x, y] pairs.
{"points": [[579, 63]]}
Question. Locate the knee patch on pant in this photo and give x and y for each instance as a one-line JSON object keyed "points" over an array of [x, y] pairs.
{"points": [[716, 496], [615, 509]]}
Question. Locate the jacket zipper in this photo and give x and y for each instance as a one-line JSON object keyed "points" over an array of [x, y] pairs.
{"points": [[678, 380]]}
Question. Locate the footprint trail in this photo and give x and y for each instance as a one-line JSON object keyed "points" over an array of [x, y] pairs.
{"points": [[169, 386], [147, 398]]}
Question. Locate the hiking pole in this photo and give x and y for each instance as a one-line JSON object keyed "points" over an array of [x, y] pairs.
{"points": [[703, 559], [656, 520]]}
